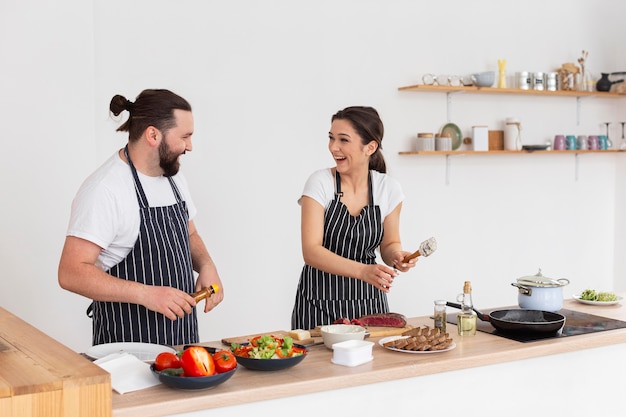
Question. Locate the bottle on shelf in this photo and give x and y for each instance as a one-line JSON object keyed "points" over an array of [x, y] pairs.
{"points": [[512, 134], [466, 319]]}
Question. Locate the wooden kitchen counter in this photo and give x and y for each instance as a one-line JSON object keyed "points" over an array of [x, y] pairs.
{"points": [[316, 373], [40, 377]]}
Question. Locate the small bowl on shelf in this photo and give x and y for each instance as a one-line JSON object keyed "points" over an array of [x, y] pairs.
{"points": [[484, 79]]}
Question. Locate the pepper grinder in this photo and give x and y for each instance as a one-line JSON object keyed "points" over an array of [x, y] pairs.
{"points": [[205, 292]]}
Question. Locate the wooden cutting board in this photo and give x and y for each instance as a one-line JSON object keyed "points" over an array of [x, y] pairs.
{"points": [[374, 331], [316, 335], [278, 333]]}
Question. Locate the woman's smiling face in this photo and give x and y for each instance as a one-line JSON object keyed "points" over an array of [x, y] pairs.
{"points": [[346, 146]]}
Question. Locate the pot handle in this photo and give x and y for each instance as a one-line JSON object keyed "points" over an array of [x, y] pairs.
{"points": [[522, 289], [563, 281], [483, 317]]}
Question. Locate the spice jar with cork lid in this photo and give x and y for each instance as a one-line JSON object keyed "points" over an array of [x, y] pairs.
{"points": [[440, 316]]}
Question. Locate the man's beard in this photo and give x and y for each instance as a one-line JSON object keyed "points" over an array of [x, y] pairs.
{"points": [[168, 161]]}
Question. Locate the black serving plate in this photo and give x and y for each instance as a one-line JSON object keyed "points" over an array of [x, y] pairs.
{"points": [[534, 147], [271, 364], [192, 382]]}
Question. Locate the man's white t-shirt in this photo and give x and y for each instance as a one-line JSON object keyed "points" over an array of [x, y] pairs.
{"points": [[105, 210], [388, 193]]}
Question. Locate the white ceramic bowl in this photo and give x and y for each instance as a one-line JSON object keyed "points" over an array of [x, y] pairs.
{"points": [[336, 333], [484, 79]]}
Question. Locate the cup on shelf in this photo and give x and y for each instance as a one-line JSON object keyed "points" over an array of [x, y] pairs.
{"points": [[571, 142], [559, 143], [593, 143], [582, 142]]}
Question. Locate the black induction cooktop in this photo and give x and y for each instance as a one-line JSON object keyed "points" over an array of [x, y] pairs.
{"points": [[575, 323]]}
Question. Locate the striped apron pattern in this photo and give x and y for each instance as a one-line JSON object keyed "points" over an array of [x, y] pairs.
{"points": [[162, 257], [322, 298]]}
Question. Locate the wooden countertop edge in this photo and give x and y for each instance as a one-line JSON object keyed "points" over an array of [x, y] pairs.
{"points": [[33, 362], [480, 350], [203, 400]]}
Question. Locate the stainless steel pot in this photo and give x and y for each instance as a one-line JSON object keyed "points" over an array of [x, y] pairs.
{"points": [[537, 292]]}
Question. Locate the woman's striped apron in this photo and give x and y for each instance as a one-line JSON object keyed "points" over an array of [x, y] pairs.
{"points": [[322, 298], [162, 257]]}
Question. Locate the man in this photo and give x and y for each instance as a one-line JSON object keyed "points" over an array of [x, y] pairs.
{"points": [[131, 244]]}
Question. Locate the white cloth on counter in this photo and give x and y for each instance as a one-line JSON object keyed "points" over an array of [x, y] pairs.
{"points": [[128, 373]]}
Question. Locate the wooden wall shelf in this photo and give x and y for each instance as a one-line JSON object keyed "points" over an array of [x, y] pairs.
{"points": [[470, 152], [509, 91], [448, 154]]}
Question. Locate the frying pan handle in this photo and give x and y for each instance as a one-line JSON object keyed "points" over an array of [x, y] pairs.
{"points": [[480, 315], [453, 305]]}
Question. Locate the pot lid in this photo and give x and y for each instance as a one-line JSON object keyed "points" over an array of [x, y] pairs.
{"points": [[538, 280]]}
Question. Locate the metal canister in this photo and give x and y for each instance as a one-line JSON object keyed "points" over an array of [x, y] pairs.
{"points": [[523, 80], [551, 81], [538, 81]]}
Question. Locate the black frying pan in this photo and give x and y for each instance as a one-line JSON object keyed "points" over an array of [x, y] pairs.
{"points": [[521, 320]]}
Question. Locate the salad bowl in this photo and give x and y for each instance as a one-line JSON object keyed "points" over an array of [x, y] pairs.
{"points": [[269, 353], [269, 364]]}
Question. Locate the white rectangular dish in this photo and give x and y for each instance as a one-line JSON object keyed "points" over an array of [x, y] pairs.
{"points": [[352, 352]]}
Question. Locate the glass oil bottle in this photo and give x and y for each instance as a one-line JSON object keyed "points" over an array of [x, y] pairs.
{"points": [[466, 319]]}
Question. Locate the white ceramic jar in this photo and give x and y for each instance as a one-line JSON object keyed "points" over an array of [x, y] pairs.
{"points": [[425, 142], [512, 134], [443, 142]]}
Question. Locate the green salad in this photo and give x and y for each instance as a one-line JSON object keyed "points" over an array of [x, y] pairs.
{"points": [[602, 296], [268, 347]]}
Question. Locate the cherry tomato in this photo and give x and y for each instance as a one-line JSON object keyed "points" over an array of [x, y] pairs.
{"points": [[224, 361], [166, 360], [197, 361]]}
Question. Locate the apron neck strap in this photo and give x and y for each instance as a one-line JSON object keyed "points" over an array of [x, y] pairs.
{"points": [[339, 193]]}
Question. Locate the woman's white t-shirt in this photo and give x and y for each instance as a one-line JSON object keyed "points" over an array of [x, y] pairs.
{"points": [[388, 193], [105, 210]]}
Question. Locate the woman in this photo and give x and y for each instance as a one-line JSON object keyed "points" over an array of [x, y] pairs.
{"points": [[344, 213]]}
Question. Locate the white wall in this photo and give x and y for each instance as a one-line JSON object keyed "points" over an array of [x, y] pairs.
{"points": [[264, 79]]}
